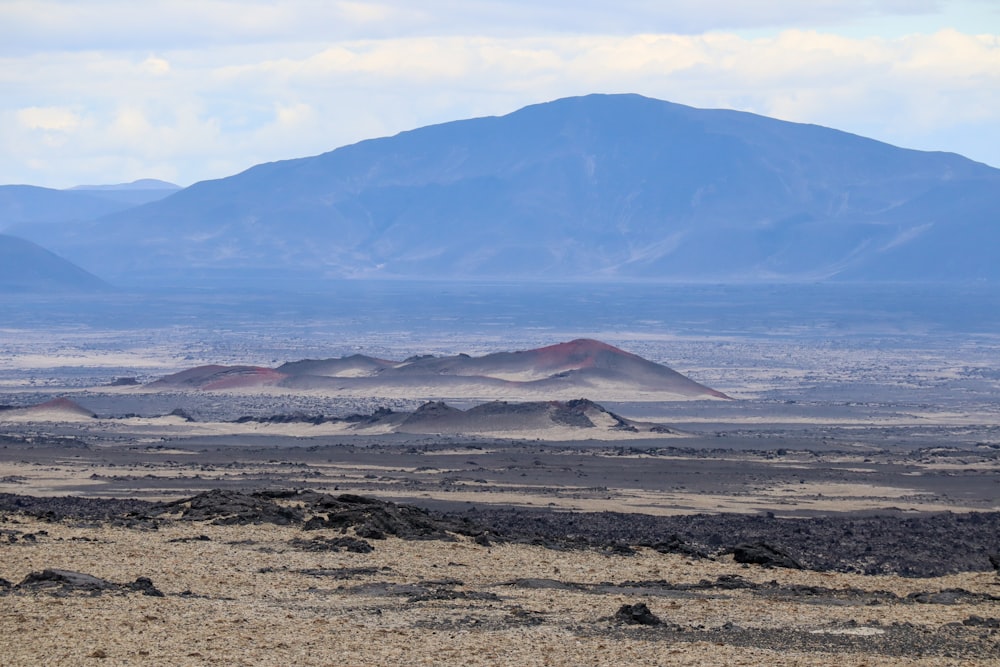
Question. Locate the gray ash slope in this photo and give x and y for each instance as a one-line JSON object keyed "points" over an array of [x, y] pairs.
{"points": [[497, 417], [598, 187], [579, 366]]}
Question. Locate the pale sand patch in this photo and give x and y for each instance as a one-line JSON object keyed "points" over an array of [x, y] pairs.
{"points": [[89, 359], [253, 606], [839, 490], [29, 416], [855, 632]]}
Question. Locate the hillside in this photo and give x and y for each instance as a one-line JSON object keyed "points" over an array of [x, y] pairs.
{"points": [[23, 206], [566, 370], [27, 267], [602, 187]]}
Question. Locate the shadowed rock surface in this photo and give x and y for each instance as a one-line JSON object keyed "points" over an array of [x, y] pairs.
{"points": [[637, 614], [915, 546], [764, 554], [64, 582]]}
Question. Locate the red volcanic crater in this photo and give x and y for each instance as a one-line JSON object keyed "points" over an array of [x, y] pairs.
{"points": [[578, 367], [214, 377], [60, 405]]}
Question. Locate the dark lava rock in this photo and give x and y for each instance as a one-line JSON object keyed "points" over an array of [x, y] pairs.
{"points": [[995, 562], [950, 596], [74, 507], [728, 582], [542, 583], [675, 545], [764, 554], [224, 508], [371, 518], [183, 414], [145, 586], [369, 531], [619, 549], [912, 546], [980, 622], [344, 543], [637, 614], [334, 573], [64, 581], [5, 585], [451, 594], [198, 538], [374, 519]]}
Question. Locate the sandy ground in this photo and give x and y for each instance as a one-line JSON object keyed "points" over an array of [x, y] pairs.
{"points": [[247, 595]]}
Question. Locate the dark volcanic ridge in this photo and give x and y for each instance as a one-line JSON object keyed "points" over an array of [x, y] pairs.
{"points": [[565, 370], [431, 418], [915, 546], [437, 417]]}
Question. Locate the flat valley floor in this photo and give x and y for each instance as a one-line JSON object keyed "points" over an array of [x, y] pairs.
{"points": [[843, 511]]}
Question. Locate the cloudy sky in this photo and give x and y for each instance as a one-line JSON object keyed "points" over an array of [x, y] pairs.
{"points": [[108, 91]]}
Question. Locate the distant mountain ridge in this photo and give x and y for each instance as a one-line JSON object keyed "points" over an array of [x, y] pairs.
{"points": [[29, 268], [141, 184], [566, 370], [22, 205], [601, 187]]}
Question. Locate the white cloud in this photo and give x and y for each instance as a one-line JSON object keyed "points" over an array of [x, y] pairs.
{"points": [[39, 25], [60, 119], [155, 65], [204, 89]]}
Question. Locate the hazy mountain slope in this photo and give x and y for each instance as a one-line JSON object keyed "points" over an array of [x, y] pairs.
{"points": [[27, 267], [136, 193], [23, 205], [27, 204], [603, 186]]}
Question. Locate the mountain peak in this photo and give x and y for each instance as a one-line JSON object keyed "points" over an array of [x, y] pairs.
{"points": [[600, 187]]}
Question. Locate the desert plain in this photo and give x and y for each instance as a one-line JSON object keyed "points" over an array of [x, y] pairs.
{"points": [[841, 509]]}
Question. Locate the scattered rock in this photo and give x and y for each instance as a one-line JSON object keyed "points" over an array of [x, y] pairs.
{"points": [[63, 582], [145, 586], [637, 614], [198, 538], [344, 543], [452, 594], [182, 413], [675, 545], [950, 596], [374, 519], [764, 554], [543, 583], [224, 508]]}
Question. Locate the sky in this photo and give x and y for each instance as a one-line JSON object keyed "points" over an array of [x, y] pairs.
{"points": [[109, 91]]}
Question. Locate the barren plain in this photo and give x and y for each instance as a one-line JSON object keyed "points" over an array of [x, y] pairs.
{"points": [[842, 510]]}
